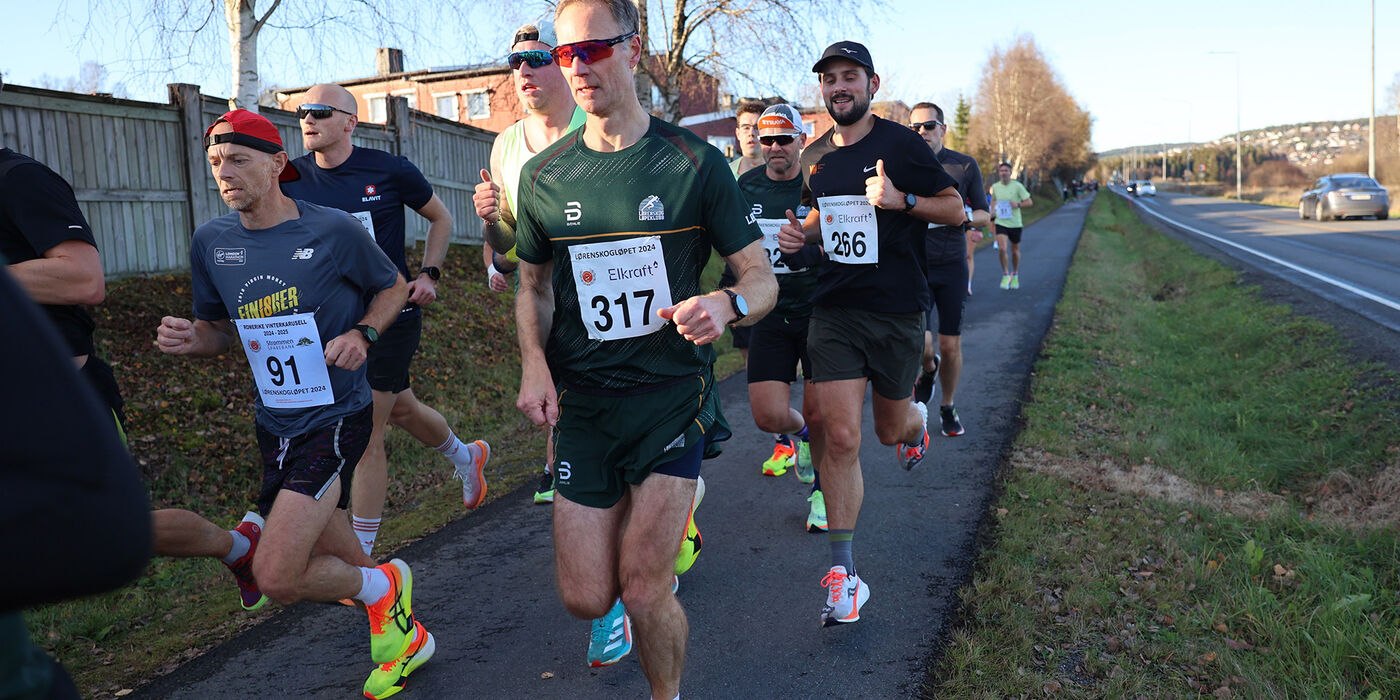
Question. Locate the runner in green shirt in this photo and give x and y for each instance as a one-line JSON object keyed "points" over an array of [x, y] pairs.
{"points": [[1008, 198], [616, 222]]}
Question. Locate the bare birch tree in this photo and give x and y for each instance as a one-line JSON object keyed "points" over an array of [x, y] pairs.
{"points": [[168, 35], [1023, 114]]}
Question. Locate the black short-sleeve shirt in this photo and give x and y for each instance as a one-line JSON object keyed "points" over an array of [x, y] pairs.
{"points": [[898, 283], [948, 243], [37, 212]]}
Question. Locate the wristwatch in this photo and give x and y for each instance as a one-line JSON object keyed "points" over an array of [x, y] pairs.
{"points": [[368, 332], [434, 273], [741, 305], [909, 202]]}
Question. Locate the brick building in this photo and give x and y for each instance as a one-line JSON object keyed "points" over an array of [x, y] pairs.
{"points": [[481, 95]]}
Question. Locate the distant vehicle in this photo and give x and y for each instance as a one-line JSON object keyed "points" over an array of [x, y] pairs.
{"points": [[1145, 187], [1345, 194], [1131, 187]]}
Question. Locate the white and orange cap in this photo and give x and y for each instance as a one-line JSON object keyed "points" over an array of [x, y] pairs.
{"points": [[780, 120]]}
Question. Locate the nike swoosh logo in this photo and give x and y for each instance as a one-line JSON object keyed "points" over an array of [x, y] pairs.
{"points": [[868, 169]]}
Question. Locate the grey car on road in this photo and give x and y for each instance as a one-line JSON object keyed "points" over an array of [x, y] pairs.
{"points": [[1342, 195]]}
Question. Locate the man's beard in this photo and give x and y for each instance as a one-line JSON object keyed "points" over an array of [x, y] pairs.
{"points": [[859, 107]]}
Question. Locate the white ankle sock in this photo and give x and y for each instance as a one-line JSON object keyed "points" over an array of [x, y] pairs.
{"points": [[462, 454], [366, 530], [374, 584], [241, 545]]}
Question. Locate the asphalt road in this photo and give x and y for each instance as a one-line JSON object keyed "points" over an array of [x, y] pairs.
{"points": [[484, 585], [1354, 264]]}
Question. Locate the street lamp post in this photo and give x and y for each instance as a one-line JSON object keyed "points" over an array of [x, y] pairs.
{"points": [[1371, 137], [1239, 170]]}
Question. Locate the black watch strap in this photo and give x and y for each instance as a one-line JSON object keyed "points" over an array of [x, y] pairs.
{"points": [[434, 273], [371, 335]]}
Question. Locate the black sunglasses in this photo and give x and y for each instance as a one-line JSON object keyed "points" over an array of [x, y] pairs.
{"points": [[589, 51], [926, 126], [770, 140], [536, 58], [319, 111]]}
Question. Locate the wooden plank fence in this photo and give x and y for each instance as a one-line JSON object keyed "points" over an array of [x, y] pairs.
{"points": [[140, 176]]}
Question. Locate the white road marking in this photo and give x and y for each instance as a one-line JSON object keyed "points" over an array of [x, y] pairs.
{"points": [[1365, 294]]}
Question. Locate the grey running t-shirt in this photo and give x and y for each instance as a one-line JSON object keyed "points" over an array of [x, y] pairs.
{"points": [[321, 263]]}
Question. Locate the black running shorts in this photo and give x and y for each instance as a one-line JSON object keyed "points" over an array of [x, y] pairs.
{"points": [[779, 344], [1012, 234], [846, 343], [387, 366], [947, 286], [309, 463]]}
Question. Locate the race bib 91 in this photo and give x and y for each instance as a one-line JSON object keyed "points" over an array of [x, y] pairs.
{"points": [[849, 232], [620, 286], [288, 361]]}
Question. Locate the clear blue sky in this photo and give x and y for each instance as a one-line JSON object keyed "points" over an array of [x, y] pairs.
{"points": [[1143, 70]]}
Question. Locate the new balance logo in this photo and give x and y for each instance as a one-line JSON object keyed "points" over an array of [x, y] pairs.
{"points": [[303, 253]]}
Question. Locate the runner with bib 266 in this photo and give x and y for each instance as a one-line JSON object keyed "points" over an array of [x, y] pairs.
{"points": [[874, 186]]}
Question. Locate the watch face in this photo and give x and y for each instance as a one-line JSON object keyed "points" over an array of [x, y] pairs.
{"points": [[741, 304]]}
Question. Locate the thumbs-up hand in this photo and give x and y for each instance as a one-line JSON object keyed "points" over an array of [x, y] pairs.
{"points": [[880, 191], [791, 237], [487, 199]]}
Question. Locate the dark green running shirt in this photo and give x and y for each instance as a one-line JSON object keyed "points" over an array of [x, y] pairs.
{"points": [[796, 272], [629, 233]]}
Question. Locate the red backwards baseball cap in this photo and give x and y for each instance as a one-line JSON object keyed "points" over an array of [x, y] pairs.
{"points": [[255, 132], [249, 129]]}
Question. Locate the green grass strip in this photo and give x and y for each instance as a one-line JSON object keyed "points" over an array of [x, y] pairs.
{"points": [[1249, 582]]}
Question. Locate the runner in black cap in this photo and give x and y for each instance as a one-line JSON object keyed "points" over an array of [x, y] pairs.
{"points": [[874, 187]]}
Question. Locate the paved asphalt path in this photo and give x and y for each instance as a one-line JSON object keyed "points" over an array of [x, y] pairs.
{"points": [[484, 585], [1354, 264]]}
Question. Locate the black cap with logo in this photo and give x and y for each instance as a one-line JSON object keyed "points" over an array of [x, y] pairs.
{"points": [[849, 50]]}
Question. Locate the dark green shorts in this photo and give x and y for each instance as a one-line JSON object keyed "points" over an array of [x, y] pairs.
{"points": [[603, 442], [846, 343]]}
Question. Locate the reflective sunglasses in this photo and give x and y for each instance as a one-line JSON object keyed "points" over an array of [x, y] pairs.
{"points": [[926, 126], [770, 140], [537, 58], [319, 111], [589, 52]]}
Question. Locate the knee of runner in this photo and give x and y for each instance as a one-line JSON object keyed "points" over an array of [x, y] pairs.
{"points": [[769, 420], [640, 593], [813, 418], [276, 584], [889, 435], [584, 604], [949, 346], [841, 441]]}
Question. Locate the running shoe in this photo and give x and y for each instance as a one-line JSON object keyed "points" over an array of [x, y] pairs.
{"points": [[692, 541], [544, 493], [806, 471], [391, 620], [952, 427], [844, 596], [816, 516], [1006, 281], [784, 458], [389, 678], [610, 638], [1015, 281], [473, 483], [911, 455], [250, 596], [923, 389]]}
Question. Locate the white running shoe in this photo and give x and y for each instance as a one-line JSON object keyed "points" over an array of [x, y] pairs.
{"points": [[844, 598]]}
